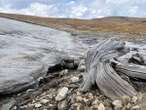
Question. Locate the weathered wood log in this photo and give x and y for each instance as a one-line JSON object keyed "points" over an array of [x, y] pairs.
{"points": [[132, 65], [94, 56], [111, 84], [132, 70], [101, 72]]}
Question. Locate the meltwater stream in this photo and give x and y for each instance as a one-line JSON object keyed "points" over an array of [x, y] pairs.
{"points": [[27, 51]]}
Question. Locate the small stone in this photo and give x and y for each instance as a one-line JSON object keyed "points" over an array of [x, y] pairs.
{"points": [[107, 102], [15, 108], [64, 72], [81, 68], [40, 79], [134, 99], [23, 107], [90, 94], [85, 100], [78, 93], [50, 96], [79, 98], [61, 94], [37, 105], [94, 107], [126, 100], [33, 101], [50, 105], [117, 104], [62, 105], [95, 102], [128, 106], [74, 79], [44, 101], [136, 107], [101, 107], [78, 106], [82, 62], [30, 105]]}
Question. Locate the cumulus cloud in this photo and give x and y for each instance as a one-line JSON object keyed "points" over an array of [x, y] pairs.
{"points": [[75, 8]]}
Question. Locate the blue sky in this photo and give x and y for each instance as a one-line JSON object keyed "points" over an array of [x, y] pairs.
{"points": [[75, 8]]}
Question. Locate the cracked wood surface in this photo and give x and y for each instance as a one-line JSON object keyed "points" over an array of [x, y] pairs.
{"points": [[104, 69]]}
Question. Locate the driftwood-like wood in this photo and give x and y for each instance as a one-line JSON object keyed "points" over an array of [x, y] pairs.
{"points": [[132, 65], [106, 62], [133, 70]]}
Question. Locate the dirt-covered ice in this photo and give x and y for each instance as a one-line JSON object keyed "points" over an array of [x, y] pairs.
{"points": [[27, 51]]}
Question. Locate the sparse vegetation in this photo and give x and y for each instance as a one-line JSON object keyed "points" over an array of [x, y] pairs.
{"points": [[107, 24]]}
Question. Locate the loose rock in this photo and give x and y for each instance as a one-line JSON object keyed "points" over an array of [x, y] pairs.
{"points": [[38, 105], [64, 72], [61, 94], [136, 107], [126, 100], [44, 101], [134, 99], [74, 79], [82, 62], [128, 106], [96, 102], [62, 105], [81, 68], [101, 107], [117, 104], [79, 98]]}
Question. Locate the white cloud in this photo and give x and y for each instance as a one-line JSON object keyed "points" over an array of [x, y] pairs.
{"points": [[76, 8], [133, 10], [78, 11], [36, 9]]}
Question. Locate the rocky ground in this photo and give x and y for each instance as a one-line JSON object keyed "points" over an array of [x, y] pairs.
{"points": [[60, 91]]}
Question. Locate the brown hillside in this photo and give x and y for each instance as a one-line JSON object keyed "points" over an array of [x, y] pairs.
{"points": [[107, 24]]}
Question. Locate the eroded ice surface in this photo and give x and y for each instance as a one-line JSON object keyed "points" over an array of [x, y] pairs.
{"points": [[27, 50]]}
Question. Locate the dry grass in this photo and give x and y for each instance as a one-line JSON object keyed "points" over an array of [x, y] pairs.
{"points": [[107, 24]]}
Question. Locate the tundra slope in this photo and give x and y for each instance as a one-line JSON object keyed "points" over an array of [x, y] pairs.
{"points": [[130, 25]]}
